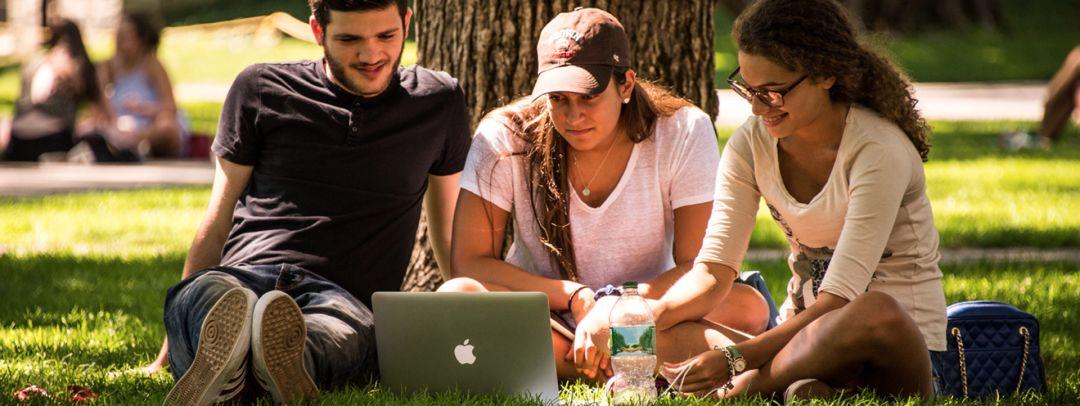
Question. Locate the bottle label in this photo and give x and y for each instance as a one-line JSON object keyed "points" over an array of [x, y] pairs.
{"points": [[633, 340]]}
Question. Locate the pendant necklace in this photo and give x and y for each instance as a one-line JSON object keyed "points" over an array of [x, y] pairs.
{"points": [[586, 190]]}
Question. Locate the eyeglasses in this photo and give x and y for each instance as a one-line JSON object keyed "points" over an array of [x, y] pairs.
{"points": [[771, 98]]}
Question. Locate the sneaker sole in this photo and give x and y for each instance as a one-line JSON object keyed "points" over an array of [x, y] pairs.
{"points": [[223, 347], [277, 341]]}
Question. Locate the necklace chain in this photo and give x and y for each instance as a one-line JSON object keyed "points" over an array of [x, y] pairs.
{"points": [[586, 191]]}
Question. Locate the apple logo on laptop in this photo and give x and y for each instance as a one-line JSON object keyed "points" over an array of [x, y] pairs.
{"points": [[464, 353]]}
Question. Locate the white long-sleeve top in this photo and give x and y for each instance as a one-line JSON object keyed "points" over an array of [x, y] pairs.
{"points": [[869, 228]]}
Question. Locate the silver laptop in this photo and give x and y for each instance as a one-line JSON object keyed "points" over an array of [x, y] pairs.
{"points": [[472, 342]]}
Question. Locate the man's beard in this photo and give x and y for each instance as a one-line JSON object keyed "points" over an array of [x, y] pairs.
{"points": [[338, 70]]}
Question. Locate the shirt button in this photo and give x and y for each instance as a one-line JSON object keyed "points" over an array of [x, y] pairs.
{"points": [[355, 129]]}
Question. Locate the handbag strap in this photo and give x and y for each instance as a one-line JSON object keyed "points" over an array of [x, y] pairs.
{"points": [[1023, 363], [963, 359]]}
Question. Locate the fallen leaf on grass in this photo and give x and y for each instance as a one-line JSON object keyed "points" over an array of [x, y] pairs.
{"points": [[82, 394], [25, 394]]}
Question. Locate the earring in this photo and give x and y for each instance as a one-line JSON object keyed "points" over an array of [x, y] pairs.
{"points": [[626, 100]]}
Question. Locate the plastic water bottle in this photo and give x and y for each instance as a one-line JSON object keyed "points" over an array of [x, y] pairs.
{"points": [[633, 348]]}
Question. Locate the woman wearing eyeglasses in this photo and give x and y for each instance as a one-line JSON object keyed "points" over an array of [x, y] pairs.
{"points": [[835, 147]]}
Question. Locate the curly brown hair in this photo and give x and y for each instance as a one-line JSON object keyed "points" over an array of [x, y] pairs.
{"points": [[819, 38], [547, 154]]}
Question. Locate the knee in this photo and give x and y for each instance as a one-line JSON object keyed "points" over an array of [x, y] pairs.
{"points": [[753, 312], [880, 317], [670, 346], [212, 282], [214, 279], [203, 290], [744, 309], [462, 285]]}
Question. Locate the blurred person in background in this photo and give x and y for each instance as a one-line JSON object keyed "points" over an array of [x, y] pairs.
{"points": [[1062, 99], [54, 86], [148, 123]]}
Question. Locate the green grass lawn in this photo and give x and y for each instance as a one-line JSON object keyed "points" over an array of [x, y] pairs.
{"points": [[75, 319], [981, 198], [84, 275], [985, 198], [1041, 33]]}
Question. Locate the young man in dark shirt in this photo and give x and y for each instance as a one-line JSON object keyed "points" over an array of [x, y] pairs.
{"points": [[323, 167]]}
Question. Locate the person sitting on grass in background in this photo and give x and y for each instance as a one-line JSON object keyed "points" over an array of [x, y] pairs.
{"points": [[140, 92], [322, 169], [1062, 102], [54, 86], [835, 147], [605, 179]]}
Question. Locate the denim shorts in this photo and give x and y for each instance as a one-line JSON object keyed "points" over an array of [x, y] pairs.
{"points": [[750, 278], [937, 371]]}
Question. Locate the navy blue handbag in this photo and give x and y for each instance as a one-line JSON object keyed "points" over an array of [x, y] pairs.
{"points": [[993, 348]]}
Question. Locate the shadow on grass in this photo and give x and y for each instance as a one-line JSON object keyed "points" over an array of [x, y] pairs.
{"points": [[41, 289], [1003, 236], [67, 320]]}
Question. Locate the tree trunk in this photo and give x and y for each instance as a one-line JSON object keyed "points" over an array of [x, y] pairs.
{"points": [[490, 47], [422, 275]]}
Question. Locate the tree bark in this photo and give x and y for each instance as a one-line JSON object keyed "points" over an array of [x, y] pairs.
{"points": [[422, 275], [490, 47]]}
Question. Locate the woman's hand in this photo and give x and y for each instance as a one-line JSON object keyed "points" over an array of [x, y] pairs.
{"points": [[699, 375], [582, 303], [590, 351]]}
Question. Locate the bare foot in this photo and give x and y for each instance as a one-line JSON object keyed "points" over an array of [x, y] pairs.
{"points": [[150, 369]]}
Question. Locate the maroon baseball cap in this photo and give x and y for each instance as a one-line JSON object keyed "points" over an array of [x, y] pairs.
{"points": [[579, 50]]}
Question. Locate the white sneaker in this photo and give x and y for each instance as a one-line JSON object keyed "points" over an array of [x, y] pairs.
{"points": [[277, 348], [217, 374], [1019, 140]]}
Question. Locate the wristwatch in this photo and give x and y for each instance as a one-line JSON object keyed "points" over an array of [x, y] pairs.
{"points": [[737, 360]]}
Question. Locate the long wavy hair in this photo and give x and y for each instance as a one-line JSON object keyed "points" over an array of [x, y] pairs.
{"points": [[65, 35], [547, 155], [819, 38]]}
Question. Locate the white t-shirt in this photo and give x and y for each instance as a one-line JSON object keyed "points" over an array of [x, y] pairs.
{"points": [[629, 237], [869, 228]]}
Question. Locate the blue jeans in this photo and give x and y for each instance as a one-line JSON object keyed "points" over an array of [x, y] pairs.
{"points": [[340, 346]]}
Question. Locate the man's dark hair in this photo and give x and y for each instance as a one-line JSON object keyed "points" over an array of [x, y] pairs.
{"points": [[321, 8]]}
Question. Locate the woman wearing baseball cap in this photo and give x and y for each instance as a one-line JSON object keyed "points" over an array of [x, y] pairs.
{"points": [[836, 149], [604, 179]]}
